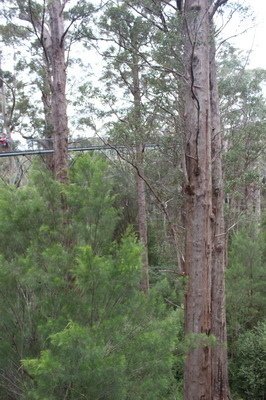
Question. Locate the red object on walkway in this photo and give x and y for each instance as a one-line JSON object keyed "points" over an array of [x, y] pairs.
{"points": [[3, 141]]}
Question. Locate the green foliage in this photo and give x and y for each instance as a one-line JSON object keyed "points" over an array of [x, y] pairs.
{"points": [[17, 207], [90, 198], [121, 342], [245, 284], [245, 278], [249, 364], [74, 323], [104, 362], [244, 117]]}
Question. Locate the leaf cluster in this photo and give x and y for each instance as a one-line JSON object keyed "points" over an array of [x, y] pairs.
{"points": [[74, 322]]}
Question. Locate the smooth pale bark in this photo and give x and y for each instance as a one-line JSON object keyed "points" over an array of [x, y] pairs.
{"points": [[58, 86], [253, 203], [47, 107], [6, 130], [140, 176], [14, 170], [220, 386], [52, 41], [142, 220], [198, 199]]}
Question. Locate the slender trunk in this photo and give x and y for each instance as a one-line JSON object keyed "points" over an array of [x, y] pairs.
{"points": [[142, 221], [14, 169], [220, 385], [59, 103], [6, 121], [47, 108], [197, 376], [52, 39], [253, 202], [47, 142], [141, 190]]}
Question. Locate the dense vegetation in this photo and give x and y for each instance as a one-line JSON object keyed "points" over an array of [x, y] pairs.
{"points": [[94, 249], [75, 324]]}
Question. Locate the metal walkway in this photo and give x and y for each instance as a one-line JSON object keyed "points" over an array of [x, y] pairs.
{"points": [[106, 147]]}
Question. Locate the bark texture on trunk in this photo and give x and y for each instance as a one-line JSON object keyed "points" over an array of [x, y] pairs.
{"points": [[47, 142], [140, 183], [142, 221], [253, 203], [51, 36], [14, 169], [198, 192], [59, 103], [220, 384]]}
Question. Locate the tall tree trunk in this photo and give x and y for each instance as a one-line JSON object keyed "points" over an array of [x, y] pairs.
{"points": [[14, 169], [253, 203], [142, 220], [141, 189], [6, 132], [47, 142], [59, 103], [220, 385], [51, 36], [198, 192]]}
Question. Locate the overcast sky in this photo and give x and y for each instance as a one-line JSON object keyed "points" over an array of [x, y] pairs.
{"points": [[259, 47], [254, 40]]}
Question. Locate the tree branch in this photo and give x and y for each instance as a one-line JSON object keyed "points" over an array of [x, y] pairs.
{"points": [[214, 7], [39, 29], [159, 200], [67, 29], [13, 99]]}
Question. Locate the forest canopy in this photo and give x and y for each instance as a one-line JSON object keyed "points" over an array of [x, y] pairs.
{"points": [[132, 234]]}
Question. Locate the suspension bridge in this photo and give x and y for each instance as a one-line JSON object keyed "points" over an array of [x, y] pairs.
{"points": [[105, 147]]}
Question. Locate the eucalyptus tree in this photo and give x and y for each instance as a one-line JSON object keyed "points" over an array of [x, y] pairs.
{"points": [[220, 385], [54, 27], [48, 25], [27, 74], [204, 202], [244, 115], [205, 366], [126, 69], [13, 103]]}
